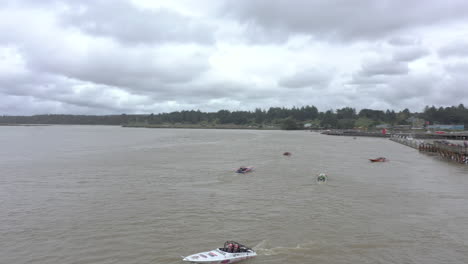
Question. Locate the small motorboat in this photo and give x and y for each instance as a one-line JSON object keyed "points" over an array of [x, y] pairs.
{"points": [[322, 178], [379, 159], [230, 253], [288, 154], [245, 169]]}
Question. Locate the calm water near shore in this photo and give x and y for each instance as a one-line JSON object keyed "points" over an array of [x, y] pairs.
{"points": [[96, 194]]}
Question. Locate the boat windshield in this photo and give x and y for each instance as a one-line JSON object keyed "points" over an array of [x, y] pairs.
{"points": [[234, 247]]}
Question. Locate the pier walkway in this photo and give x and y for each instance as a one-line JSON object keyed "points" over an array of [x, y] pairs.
{"points": [[445, 149]]}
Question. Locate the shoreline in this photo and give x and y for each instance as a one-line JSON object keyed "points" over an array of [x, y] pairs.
{"points": [[26, 125], [197, 126]]}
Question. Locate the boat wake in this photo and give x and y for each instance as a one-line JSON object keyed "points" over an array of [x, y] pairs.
{"points": [[264, 248]]}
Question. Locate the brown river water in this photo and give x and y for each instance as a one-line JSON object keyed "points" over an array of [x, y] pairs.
{"points": [[96, 195]]}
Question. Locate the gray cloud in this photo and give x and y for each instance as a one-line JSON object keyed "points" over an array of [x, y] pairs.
{"points": [[457, 68], [343, 19], [454, 49], [380, 71], [403, 41], [384, 68], [125, 22], [409, 87], [100, 57], [397, 92], [129, 24], [58, 89], [415, 90], [48, 49], [307, 78], [131, 68], [363, 80], [410, 54]]}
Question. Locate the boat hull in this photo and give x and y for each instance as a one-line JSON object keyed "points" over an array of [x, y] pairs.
{"points": [[219, 257]]}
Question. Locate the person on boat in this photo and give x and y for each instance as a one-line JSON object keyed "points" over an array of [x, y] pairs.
{"points": [[236, 248], [242, 169], [229, 249]]}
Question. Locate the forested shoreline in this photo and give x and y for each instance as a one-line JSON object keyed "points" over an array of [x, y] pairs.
{"points": [[274, 117]]}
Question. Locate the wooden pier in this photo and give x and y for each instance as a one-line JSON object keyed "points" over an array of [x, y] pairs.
{"points": [[405, 134], [447, 136], [447, 150], [424, 142], [454, 152], [355, 133]]}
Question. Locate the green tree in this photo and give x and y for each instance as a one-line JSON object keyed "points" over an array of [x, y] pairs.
{"points": [[346, 113], [224, 116], [290, 124], [345, 123], [329, 120]]}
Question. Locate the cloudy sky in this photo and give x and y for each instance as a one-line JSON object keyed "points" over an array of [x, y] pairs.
{"points": [[151, 56]]}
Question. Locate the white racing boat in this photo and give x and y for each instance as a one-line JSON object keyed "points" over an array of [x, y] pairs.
{"points": [[230, 253]]}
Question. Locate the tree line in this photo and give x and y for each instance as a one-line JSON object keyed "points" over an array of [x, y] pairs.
{"points": [[287, 118]]}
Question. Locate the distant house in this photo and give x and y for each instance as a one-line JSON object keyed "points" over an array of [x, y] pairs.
{"points": [[415, 122], [383, 126], [402, 127], [446, 127]]}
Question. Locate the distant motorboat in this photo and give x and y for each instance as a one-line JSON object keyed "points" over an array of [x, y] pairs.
{"points": [[245, 169], [379, 159], [287, 153]]}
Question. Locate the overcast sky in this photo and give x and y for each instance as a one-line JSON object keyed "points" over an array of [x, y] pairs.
{"points": [[150, 56]]}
